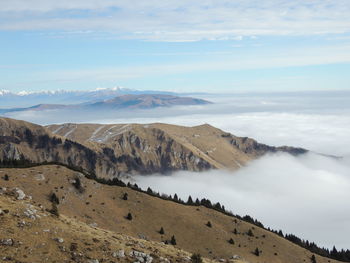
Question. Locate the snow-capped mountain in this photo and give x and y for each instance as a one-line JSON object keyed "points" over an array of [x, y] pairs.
{"points": [[10, 99]]}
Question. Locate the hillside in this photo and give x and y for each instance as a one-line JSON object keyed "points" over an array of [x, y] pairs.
{"points": [[109, 151], [159, 145], [29, 234], [94, 216]]}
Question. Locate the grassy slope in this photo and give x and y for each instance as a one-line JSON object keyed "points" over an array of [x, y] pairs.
{"points": [[102, 204], [36, 241]]}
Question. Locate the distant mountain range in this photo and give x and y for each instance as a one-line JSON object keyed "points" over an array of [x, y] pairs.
{"points": [[141, 101], [10, 99]]}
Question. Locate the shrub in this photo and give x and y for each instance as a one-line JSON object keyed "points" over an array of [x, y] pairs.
{"points": [[77, 184], [125, 196], [129, 216], [54, 210], [196, 258], [250, 233], [231, 241]]}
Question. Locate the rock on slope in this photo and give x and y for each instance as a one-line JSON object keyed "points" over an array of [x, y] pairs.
{"points": [[98, 212]]}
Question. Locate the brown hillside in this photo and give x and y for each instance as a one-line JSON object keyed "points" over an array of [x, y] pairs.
{"points": [[163, 147], [30, 234], [103, 206], [110, 151]]}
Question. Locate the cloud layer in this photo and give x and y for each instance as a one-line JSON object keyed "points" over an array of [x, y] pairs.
{"points": [[307, 196], [179, 20]]}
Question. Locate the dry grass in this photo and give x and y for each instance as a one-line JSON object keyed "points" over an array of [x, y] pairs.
{"points": [[103, 206]]}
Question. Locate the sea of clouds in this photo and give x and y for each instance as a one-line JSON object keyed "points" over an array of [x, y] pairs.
{"points": [[306, 195]]}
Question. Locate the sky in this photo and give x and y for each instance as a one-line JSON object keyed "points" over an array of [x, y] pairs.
{"points": [[186, 46]]}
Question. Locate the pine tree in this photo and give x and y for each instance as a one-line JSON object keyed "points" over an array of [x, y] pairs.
{"points": [[54, 199], [209, 224], [149, 191], [190, 201], [235, 231], [198, 203], [313, 259], [256, 252], [231, 241], [161, 231], [173, 240]]}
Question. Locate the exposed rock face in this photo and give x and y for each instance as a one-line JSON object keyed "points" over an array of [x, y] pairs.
{"points": [[248, 145], [130, 153], [109, 151], [162, 147]]}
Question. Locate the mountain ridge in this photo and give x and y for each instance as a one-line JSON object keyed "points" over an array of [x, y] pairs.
{"points": [[116, 150], [121, 102]]}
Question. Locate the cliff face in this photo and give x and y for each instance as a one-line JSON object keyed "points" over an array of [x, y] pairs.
{"points": [[109, 151], [129, 153], [162, 147]]}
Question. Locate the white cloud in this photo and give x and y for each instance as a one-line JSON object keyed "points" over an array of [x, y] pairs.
{"points": [[180, 20], [309, 199]]}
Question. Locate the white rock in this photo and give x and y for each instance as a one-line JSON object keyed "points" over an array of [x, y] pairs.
{"points": [[93, 224], [59, 240], [20, 195], [119, 254], [6, 242], [39, 177]]}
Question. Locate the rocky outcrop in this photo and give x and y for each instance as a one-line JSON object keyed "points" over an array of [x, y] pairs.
{"points": [[250, 146], [26, 143]]}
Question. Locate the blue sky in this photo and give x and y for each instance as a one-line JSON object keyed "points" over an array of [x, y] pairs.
{"points": [[211, 46]]}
